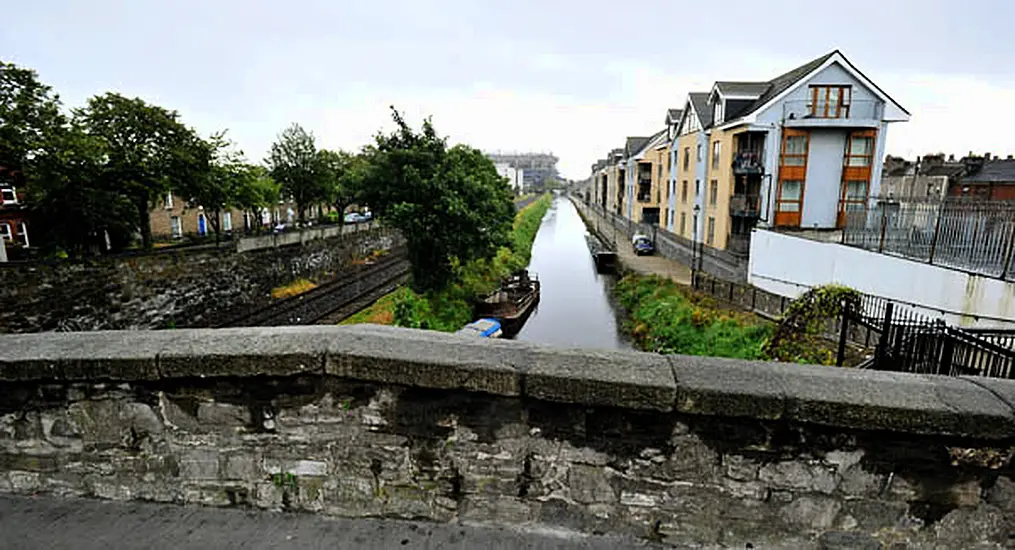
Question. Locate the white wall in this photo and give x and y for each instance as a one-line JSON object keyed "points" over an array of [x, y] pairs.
{"points": [[824, 176], [789, 265]]}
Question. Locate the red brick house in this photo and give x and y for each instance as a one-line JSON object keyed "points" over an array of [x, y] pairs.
{"points": [[13, 212]]}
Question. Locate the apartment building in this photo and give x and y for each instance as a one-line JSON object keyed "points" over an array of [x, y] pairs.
{"points": [[796, 151], [687, 154]]}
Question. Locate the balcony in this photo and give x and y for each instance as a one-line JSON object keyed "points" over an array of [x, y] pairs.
{"points": [[745, 206], [855, 114], [644, 190], [748, 162]]}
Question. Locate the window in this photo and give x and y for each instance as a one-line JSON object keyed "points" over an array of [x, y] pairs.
{"points": [[717, 112], [175, 227], [697, 188], [169, 200], [8, 195], [227, 221], [794, 150], [673, 187], [659, 171], [790, 195], [830, 101], [5, 232], [710, 236], [683, 193], [687, 157], [669, 221], [683, 222], [716, 152], [698, 153], [714, 199], [23, 229], [860, 149]]}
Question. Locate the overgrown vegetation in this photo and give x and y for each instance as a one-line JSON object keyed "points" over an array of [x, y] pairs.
{"points": [[798, 336], [294, 288], [665, 317], [451, 308]]}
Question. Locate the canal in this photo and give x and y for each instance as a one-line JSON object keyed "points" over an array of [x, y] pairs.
{"points": [[575, 308]]}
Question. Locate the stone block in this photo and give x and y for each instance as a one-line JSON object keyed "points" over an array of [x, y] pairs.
{"points": [[1002, 495], [601, 378], [498, 510], [250, 351], [97, 355], [24, 482], [240, 465], [964, 527], [727, 387], [223, 414], [111, 423], [741, 468], [874, 515], [875, 400], [426, 359], [811, 512], [199, 464], [798, 475], [590, 484], [841, 540], [299, 468]]}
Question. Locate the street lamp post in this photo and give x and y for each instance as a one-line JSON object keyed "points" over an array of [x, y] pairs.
{"points": [[695, 259]]}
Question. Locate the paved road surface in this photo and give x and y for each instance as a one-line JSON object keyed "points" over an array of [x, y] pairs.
{"points": [[52, 523]]}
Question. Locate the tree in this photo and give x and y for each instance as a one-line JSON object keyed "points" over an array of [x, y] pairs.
{"points": [[74, 204], [450, 204], [149, 151], [29, 115], [255, 190], [216, 185], [344, 174], [293, 163]]}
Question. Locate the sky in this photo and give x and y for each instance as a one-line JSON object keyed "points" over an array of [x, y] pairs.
{"points": [[564, 76]]}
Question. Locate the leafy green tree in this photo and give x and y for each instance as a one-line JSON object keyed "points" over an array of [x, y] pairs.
{"points": [[450, 204], [29, 116], [344, 174], [217, 187], [75, 206], [294, 163], [148, 150], [255, 191]]}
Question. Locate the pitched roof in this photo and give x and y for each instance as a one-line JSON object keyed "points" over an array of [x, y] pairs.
{"points": [[780, 83], [699, 100], [635, 144], [752, 89], [993, 171]]}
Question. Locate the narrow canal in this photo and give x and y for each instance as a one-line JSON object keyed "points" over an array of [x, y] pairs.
{"points": [[575, 308]]}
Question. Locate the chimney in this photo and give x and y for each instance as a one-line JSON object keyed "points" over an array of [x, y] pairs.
{"points": [[951, 158], [986, 156]]}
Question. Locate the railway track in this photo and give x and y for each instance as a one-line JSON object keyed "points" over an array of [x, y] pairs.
{"points": [[333, 301]]}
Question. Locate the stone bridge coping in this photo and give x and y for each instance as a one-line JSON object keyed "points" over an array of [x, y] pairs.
{"points": [[869, 400]]}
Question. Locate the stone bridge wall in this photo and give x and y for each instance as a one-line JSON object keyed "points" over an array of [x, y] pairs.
{"points": [[193, 287], [372, 421]]}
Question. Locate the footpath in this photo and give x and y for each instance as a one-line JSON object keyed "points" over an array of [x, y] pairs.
{"points": [[78, 524], [656, 264]]}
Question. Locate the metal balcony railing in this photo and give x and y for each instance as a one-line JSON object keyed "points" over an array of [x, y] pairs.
{"points": [[745, 205], [805, 109], [748, 162]]}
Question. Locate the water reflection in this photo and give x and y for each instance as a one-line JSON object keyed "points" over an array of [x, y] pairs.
{"points": [[574, 308]]}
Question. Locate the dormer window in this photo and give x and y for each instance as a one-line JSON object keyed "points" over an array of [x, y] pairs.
{"points": [[8, 195], [717, 111], [830, 101]]}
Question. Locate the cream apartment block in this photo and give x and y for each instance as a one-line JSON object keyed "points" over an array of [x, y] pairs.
{"points": [[794, 152]]}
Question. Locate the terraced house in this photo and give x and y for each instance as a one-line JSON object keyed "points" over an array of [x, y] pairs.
{"points": [[797, 151]]}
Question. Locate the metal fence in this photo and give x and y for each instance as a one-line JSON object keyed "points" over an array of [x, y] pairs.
{"points": [[976, 236]]}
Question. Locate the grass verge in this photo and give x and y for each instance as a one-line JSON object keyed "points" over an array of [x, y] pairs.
{"points": [[665, 317], [294, 288]]}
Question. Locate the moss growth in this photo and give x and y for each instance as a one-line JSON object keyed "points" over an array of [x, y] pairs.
{"points": [[667, 318], [451, 308]]}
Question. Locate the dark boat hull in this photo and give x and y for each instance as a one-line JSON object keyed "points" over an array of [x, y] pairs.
{"points": [[511, 314], [604, 258]]}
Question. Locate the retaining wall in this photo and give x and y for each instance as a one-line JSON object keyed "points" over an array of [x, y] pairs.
{"points": [[193, 286], [376, 421]]}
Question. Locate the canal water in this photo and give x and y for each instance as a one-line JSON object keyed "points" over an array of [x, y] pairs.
{"points": [[575, 308]]}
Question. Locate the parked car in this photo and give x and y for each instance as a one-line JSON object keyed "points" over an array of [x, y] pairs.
{"points": [[352, 217], [642, 244]]}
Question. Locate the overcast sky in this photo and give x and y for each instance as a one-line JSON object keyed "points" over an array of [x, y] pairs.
{"points": [[570, 77]]}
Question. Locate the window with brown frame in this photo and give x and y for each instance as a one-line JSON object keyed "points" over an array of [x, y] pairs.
{"points": [[687, 158], [683, 193], [860, 149], [794, 150], [716, 152], [830, 101], [714, 199], [710, 236], [790, 196]]}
